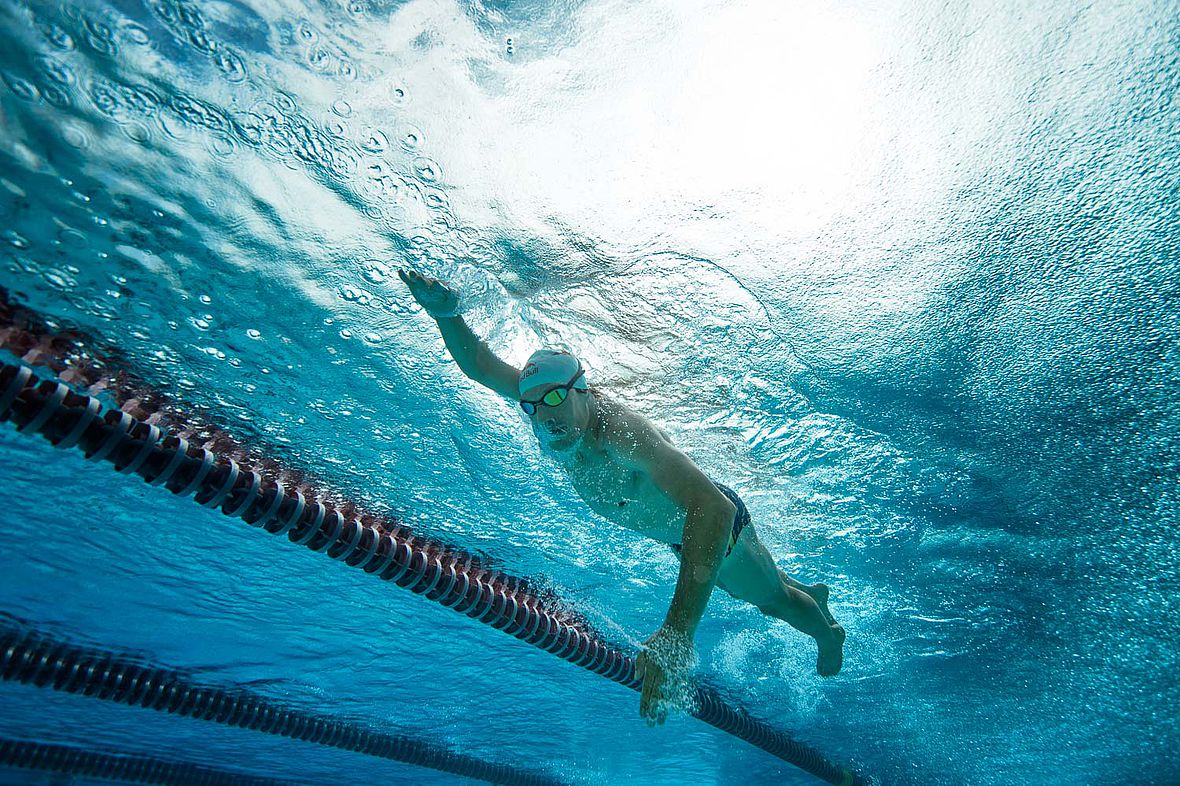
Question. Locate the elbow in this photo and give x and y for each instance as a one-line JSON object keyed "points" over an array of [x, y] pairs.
{"points": [[722, 511], [716, 516]]}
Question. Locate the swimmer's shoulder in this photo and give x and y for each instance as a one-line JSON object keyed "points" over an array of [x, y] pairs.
{"points": [[627, 431]]}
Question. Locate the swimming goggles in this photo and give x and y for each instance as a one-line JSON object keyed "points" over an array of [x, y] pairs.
{"points": [[554, 396]]}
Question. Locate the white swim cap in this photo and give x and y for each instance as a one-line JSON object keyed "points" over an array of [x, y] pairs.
{"points": [[550, 367]]}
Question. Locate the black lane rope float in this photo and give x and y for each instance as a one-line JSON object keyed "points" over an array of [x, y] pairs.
{"points": [[68, 419], [125, 767], [33, 658]]}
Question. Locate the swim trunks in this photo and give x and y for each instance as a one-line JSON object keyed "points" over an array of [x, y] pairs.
{"points": [[740, 519]]}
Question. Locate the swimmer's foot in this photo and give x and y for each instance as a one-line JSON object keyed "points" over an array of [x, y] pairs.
{"points": [[819, 593], [831, 653]]}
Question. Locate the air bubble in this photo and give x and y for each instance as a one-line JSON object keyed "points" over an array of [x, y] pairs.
{"points": [[426, 170], [136, 34], [411, 138], [72, 238], [59, 38], [75, 136], [222, 146], [138, 132], [16, 239], [206, 299], [375, 272], [56, 71], [375, 141], [200, 324], [201, 41], [283, 102], [345, 333], [254, 334], [319, 59], [343, 163], [99, 37], [58, 279], [174, 127], [55, 96], [342, 108], [104, 99], [231, 65], [22, 88], [373, 338]]}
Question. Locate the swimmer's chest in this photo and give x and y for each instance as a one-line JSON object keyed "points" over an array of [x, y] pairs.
{"points": [[626, 496]]}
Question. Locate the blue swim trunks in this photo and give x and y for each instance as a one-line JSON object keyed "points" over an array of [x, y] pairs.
{"points": [[740, 519]]}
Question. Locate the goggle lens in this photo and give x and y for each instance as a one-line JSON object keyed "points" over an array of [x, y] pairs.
{"points": [[555, 396]]}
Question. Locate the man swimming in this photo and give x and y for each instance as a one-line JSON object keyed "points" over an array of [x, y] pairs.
{"points": [[628, 471]]}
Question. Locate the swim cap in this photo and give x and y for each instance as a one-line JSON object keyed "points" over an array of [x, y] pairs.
{"points": [[550, 367]]}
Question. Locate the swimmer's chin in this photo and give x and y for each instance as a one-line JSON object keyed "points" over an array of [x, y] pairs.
{"points": [[560, 443]]}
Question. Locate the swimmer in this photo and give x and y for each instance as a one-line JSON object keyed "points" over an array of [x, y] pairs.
{"points": [[629, 472]]}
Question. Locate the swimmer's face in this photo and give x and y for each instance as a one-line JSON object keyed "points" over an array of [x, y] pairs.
{"points": [[560, 427]]}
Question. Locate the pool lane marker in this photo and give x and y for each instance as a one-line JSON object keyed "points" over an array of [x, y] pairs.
{"points": [[68, 419], [34, 658], [128, 768]]}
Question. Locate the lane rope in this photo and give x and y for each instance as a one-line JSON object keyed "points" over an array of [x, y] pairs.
{"points": [[34, 658]]}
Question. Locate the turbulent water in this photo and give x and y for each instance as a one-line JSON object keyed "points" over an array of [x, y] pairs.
{"points": [[904, 274]]}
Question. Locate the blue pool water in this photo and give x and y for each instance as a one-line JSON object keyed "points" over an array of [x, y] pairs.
{"points": [[903, 274]]}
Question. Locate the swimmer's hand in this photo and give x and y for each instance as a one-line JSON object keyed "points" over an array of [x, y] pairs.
{"points": [[663, 665], [434, 296]]}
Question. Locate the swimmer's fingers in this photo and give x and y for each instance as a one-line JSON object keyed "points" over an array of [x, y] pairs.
{"points": [[650, 705], [433, 295], [412, 278], [644, 685]]}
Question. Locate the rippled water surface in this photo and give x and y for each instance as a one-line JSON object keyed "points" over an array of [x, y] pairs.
{"points": [[904, 274]]}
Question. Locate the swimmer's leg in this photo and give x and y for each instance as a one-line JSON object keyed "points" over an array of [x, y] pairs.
{"points": [[749, 574]]}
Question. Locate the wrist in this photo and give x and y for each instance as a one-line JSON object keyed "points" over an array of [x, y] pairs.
{"points": [[678, 630]]}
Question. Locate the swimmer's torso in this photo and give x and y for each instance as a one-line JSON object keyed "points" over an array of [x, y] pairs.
{"points": [[621, 493]]}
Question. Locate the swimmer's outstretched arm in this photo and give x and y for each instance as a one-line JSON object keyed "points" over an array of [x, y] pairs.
{"points": [[471, 353]]}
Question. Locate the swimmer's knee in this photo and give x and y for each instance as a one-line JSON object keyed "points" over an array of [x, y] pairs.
{"points": [[728, 591]]}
